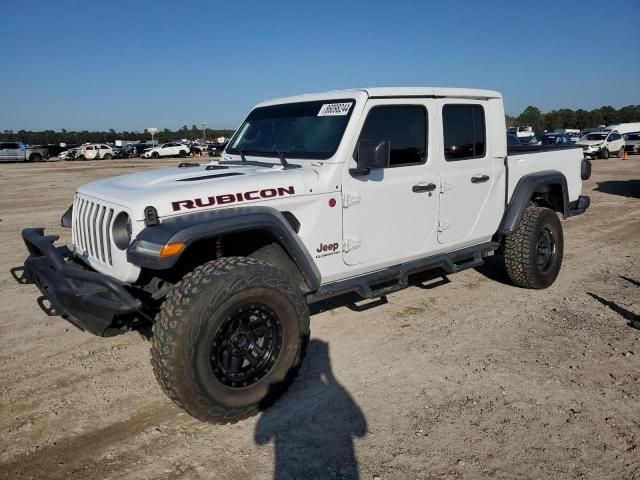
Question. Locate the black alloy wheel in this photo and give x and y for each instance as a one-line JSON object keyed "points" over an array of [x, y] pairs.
{"points": [[246, 345]]}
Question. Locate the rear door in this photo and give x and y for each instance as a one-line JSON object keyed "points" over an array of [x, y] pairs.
{"points": [[391, 212], [468, 200]]}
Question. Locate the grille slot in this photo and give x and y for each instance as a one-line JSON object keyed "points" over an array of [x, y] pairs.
{"points": [[92, 229]]}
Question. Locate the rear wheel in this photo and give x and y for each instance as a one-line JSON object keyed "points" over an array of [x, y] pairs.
{"points": [[107, 156], [533, 253], [620, 153], [229, 338], [35, 157], [182, 154]]}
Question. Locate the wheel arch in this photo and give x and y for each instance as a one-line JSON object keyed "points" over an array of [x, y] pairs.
{"points": [[237, 231], [547, 189]]}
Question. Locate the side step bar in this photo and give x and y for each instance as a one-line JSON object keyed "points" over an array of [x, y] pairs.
{"points": [[392, 279]]}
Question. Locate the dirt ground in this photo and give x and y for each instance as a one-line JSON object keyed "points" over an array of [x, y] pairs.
{"points": [[457, 376]]}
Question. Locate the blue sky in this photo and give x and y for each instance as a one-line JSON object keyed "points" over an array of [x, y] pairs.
{"points": [[133, 64]]}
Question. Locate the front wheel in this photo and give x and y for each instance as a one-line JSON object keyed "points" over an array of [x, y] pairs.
{"points": [[229, 339], [155, 155], [604, 154], [533, 253]]}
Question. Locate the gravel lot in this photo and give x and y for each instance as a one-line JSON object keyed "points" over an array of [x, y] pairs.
{"points": [[460, 376]]}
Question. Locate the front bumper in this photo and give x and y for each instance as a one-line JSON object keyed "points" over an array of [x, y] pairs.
{"points": [[90, 300]]}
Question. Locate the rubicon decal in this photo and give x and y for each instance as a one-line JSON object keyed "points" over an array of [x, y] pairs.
{"points": [[228, 198]]}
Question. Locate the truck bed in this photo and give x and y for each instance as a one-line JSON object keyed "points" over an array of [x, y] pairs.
{"points": [[522, 160]]}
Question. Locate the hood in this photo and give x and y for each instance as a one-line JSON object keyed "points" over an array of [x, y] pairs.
{"points": [[586, 143], [179, 190]]}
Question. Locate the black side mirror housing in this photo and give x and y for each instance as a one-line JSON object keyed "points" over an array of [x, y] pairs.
{"points": [[372, 154]]}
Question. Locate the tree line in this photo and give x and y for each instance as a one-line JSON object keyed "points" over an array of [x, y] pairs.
{"points": [[47, 137], [567, 118], [562, 118]]}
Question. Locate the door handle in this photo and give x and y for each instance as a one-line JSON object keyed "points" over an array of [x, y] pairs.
{"points": [[421, 187], [479, 178]]}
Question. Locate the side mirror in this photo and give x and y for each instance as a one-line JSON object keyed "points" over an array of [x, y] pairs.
{"points": [[372, 154]]}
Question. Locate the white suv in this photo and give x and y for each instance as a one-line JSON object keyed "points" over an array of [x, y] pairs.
{"points": [[602, 144], [171, 149], [94, 151]]}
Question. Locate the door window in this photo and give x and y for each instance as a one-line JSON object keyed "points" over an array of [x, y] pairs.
{"points": [[464, 131], [405, 126]]}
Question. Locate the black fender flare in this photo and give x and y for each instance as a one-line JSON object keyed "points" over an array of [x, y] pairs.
{"points": [[522, 194], [144, 251]]}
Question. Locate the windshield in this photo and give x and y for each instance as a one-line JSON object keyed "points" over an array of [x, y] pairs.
{"points": [[596, 136], [301, 130]]}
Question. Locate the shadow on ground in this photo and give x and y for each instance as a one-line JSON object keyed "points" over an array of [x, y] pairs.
{"points": [[494, 269], [314, 424], [632, 319], [625, 188]]}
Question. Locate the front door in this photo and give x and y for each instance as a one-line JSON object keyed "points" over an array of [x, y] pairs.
{"points": [[390, 213], [471, 199]]}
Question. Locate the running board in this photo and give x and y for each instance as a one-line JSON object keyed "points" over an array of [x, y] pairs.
{"points": [[392, 279]]}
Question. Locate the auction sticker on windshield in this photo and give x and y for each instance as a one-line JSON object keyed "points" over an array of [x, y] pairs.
{"points": [[334, 109]]}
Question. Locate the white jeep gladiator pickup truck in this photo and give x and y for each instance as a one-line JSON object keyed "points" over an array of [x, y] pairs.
{"points": [[314, 196]]}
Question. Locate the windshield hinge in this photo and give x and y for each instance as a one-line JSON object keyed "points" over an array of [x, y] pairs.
{"points": [[350, 198]]}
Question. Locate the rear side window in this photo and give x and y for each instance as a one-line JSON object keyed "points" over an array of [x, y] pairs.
{"points": [[405, 126], [464, 131]]}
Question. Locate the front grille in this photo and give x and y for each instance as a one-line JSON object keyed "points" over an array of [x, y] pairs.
{"points": [[92, 229]]}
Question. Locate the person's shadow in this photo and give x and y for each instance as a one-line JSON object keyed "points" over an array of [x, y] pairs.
{"points": [[313, 425]]}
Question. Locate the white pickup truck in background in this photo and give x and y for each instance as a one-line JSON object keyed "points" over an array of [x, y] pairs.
{"points": [[19, 152], [314, 196]]}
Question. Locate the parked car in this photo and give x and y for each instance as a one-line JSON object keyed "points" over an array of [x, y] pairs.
{"points": [[602, 144], [69, 154], [332, 210], [20, 152], [547, 139], [94, 151], [137, 149], [171, 149], [522, 132], [632, 142], [120, 152], [215, 149], [513, 140], [574, 136], [623, 128]]}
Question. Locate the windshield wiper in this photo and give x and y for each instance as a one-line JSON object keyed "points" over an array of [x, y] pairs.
{"points": [[286, 165]]}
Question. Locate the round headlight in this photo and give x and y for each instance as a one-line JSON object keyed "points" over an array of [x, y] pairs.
{"points": [[121, 230]]}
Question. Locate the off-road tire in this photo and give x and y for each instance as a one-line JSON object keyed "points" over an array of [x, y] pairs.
{"points": [[189, 320], [522, 249], [604, 154], [620, 153], [155, 155]]}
